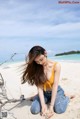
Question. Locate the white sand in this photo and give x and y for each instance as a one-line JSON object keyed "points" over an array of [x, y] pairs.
{"points": [[70, 81]]}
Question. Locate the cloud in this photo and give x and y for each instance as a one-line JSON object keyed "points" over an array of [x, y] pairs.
{"points": [[38, 18]]}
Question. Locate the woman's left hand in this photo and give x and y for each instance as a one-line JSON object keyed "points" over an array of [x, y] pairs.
{"points": [[50, 112], [51, 108]]}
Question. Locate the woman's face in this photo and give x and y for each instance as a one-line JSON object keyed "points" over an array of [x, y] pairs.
{"points": [[41, 59]]}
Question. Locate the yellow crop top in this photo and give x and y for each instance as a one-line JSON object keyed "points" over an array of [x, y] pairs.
{"points": [[48, 84]]}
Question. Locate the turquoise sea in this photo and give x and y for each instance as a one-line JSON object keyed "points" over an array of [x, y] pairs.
{"points": [[68, 58]]}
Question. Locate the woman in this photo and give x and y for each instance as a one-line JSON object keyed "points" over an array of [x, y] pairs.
{"points": [[45, 75]]}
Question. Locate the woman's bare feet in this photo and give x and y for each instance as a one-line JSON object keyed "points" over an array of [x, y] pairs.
{"points": [[70, 96]]}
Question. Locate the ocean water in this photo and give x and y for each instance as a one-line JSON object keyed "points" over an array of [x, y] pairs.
{"points": [[69, 58]]}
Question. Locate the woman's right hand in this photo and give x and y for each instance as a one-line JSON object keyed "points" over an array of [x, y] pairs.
{"points": [[44, 110]]}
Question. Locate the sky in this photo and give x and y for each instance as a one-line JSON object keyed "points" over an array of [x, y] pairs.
{"points": [[24, 23], [45, 18]]}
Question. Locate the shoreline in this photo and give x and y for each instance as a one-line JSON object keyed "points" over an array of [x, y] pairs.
{"points": [[21, 62]]}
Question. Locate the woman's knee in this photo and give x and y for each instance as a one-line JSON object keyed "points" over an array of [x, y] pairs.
{"points": [[35, 107], [59, 109], [61, 105]]}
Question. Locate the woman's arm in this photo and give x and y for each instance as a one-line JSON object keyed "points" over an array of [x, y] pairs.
{"points": [[41, 96], [42, 100], [55, 85]]}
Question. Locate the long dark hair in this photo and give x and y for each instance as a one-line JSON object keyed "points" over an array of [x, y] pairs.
{"points": [[33, 72]]}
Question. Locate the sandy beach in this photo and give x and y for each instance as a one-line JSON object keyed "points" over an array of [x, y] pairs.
{"points": [[69, 80]]}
